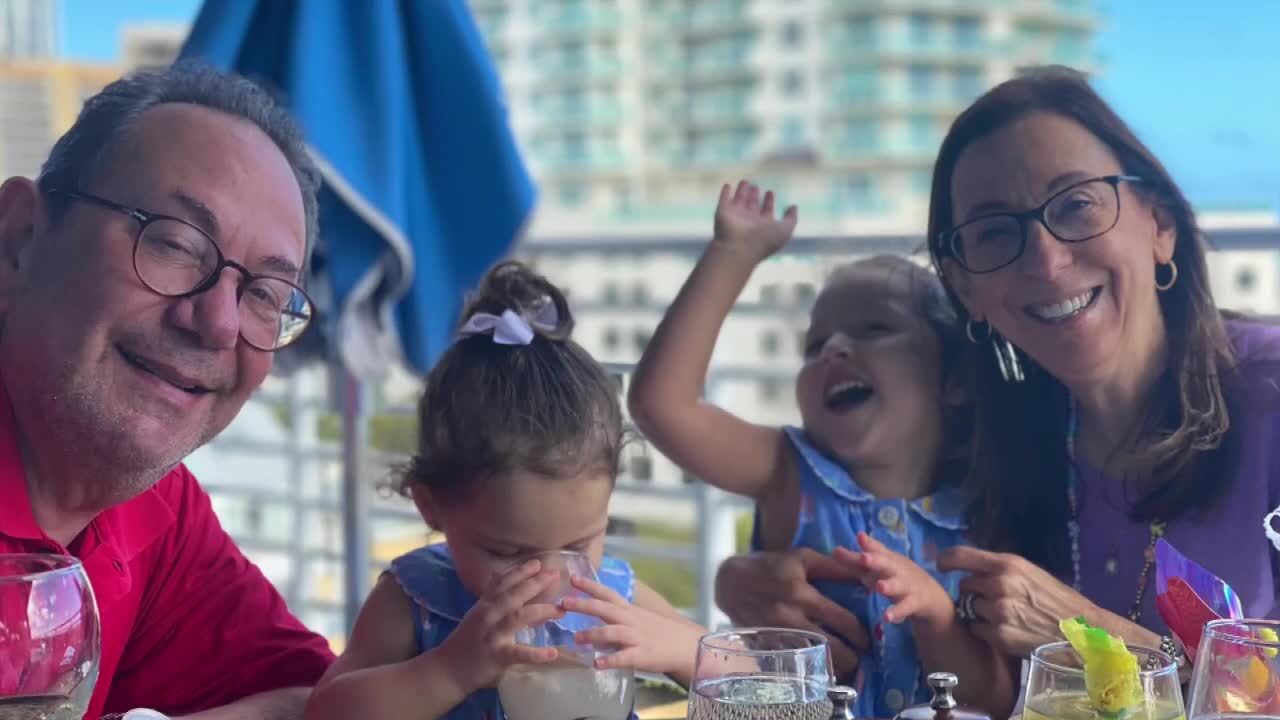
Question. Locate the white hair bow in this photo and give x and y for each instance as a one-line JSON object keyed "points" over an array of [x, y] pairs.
{"points": [[512, 328]]}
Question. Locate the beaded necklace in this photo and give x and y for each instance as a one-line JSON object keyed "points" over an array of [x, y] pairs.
{"points": [[1156, 528]]}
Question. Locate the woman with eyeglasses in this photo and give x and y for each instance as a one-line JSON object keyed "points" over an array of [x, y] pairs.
{"points": [[1116, 404]]}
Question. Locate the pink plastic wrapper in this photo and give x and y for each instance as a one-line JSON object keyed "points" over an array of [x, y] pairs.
{"points": [[1188, 596]]}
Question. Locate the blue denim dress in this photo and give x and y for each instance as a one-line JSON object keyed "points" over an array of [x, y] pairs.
{"points": [[833, 510]]}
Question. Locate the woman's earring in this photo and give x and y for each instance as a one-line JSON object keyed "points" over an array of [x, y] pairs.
{"points": [[1173, 275]]}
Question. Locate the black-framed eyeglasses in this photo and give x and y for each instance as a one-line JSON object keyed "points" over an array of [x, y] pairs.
{"points": [[174, 258], [1079, 212]]}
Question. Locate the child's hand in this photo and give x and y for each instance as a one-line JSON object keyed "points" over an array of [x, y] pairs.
{"points": [[916, 595], [745, 223], [483, 645], [646, 640]]}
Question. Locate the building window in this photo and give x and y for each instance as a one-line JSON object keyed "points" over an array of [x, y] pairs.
{"points": [[611, 340], [1246, 279], [771, 391], [770, 294], [922, 181], [641, 339], [793, 132], [612, 294], [640, 294], [921, 131], [858, 188], [921, 28], [922, 80], [769, 343], [968, 84], [792, 83], [968, 32], [802, 341], [572, 194], [805, 293], [642, 468], [792, 35]]}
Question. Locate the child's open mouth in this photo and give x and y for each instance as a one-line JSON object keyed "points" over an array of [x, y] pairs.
{"points": [[847, 395]]}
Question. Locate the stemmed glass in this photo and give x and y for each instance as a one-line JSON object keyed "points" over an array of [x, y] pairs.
{"points": [[571, 687], [49, 637], [1056, 687], [761, 673], [1236, 670]]}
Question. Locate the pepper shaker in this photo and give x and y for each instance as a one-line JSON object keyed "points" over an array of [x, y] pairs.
{"points": [[842, 699], [944, 705]]}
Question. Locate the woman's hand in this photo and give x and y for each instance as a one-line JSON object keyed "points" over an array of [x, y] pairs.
{"points": [[1019, 604], [645, 640], [776, 590]]}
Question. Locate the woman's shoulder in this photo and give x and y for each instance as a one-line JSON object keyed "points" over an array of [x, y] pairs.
{"points": [[1256, 343], [1254, 338]]}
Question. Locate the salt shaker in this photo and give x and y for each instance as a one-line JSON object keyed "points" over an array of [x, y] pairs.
{"points": [[842, 699], [943, 706]]}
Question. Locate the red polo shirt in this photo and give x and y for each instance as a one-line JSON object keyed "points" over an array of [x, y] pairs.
{"points": [[188, 623]]}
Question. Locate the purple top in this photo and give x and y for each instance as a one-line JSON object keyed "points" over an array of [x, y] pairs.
{"points": [[1228, 540]]}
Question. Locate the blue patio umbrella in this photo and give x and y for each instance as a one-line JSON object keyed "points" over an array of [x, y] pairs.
{"points": [[424, 187]]}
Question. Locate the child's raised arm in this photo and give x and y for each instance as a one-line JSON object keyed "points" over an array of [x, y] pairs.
{"points": [[665, 397]]}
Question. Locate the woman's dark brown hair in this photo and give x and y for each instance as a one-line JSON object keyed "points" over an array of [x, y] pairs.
{"points": [[1018, 473], [488, 409]]}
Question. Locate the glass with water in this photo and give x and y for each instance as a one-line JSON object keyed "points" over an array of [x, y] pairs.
{"points": [[571, 687], [49, 638], [761, 673]]}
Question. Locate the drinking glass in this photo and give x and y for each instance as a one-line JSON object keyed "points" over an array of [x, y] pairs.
{"points": [[570, 687], [758, 673], [49, 638], [1056, 687], [1236, 670]]}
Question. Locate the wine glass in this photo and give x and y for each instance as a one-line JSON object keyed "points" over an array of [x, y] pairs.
{"points": [[761, 673], [1056, 687], [49, 637], [570, 687], [1236, 670]]}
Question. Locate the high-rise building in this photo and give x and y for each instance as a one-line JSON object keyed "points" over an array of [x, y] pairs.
{"points": [[38, 102], [151, 45], [634, 111], [28, 28]]}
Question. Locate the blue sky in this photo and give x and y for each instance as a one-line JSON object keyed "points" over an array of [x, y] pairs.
{"points": [[1198, 79]]}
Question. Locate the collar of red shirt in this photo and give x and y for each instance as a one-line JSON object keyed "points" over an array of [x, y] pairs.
{"points": [[121, 531]]}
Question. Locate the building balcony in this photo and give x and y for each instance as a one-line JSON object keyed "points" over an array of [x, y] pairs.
{"points": [[1072, 14], [867, 8], [704, 18], [576, 21], [592, 115], [859, 48]]}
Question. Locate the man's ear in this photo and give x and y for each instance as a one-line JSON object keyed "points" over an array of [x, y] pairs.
{"points": [[22, 219]]}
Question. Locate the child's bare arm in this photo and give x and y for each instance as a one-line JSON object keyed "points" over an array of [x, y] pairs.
{"points": [[665, 396], [380, 675]]}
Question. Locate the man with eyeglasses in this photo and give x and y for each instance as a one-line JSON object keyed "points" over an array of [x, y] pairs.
{"points": [[146, 280]]}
